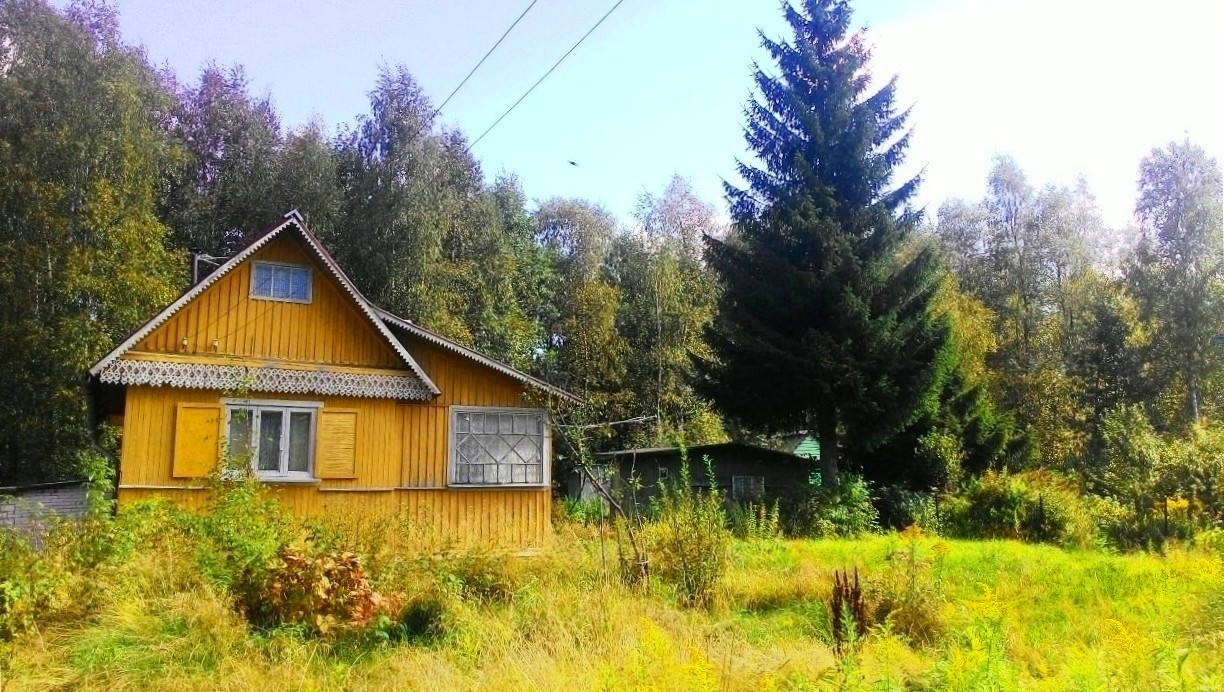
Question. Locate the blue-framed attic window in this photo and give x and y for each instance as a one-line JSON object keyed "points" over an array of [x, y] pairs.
{"points": [[276, 281]]}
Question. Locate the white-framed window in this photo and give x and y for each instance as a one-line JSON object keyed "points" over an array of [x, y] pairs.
{"points": [[277, 436], [493, 447], [747, 487], [275, 281]]}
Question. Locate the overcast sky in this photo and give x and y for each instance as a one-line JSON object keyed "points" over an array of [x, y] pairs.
{"points": [[1068, 87]]}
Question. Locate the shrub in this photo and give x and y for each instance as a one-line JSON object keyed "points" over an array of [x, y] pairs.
{"points": [[241, 535], [480, 576], [756, 521], [900, 508], [325, 593], [689, 538], [97, 539], [585, 512], [908, 596], [1211, 540], [844, 510], [427, 616], [27, 584], [1034, 506]]}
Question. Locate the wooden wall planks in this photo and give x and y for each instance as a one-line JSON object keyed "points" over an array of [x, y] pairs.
{"points": [[329, 329]]}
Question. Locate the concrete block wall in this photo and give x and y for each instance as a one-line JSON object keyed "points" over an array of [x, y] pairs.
{"points": [[26, 507]]}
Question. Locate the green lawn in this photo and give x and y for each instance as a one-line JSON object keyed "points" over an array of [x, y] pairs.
{"points": [[998, 615]]}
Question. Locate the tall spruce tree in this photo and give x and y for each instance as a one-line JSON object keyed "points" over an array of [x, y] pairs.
{"points": [[822, 325]]}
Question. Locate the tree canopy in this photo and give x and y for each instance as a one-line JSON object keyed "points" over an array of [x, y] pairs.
{"points": [[1015, 329]]}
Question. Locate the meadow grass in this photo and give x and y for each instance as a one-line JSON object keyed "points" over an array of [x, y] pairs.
{"points": [[1011, 616]]}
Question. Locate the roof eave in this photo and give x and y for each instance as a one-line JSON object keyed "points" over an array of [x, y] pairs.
{"points": [[443, 342]]}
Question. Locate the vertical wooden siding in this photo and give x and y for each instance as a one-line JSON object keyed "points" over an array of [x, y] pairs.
{"points": [[148, 439], [507, 518], [401, 452], [427, 426], [329, 329]]}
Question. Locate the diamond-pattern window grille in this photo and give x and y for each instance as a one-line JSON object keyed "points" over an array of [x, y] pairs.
{"points": [[499, 446]]}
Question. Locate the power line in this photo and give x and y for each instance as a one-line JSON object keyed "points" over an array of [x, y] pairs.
{"points": [[486, 57], [550, 71], [638, 419]]}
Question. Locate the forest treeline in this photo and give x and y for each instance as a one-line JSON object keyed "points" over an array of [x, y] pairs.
{"points": [[113, 170], [1054, 341]]}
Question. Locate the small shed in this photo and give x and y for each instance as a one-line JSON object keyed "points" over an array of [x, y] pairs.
{"points": [[744, 472]]}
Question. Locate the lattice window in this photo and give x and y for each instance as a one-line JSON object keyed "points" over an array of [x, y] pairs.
{"points": [[286, 282], [499, 446], [747, 487]]}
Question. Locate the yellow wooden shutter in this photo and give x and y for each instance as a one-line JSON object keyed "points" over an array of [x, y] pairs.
{"points": [[336, 452], [197, 439]]}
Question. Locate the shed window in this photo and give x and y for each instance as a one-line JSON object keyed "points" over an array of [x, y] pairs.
{"points": [[276, 437], [288, 282], [747, 487], [499, 447]]}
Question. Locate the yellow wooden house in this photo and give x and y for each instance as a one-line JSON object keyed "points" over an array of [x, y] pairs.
{"points": [[278, 359]]}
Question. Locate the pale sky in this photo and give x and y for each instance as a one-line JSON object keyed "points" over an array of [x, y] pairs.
{"points": [[1069, 88]]}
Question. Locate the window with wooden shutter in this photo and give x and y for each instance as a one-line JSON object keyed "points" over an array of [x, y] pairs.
{"points": [[337, 455], [275, 438], [197, 430]]}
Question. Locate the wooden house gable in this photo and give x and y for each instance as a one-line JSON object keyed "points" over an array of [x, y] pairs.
{"points": [[228, 320], [279, 316]]}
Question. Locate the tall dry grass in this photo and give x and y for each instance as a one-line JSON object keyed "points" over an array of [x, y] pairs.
{"points": [[1013, 617]]}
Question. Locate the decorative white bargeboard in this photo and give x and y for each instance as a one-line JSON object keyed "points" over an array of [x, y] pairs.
{"points": [[259, 379]]}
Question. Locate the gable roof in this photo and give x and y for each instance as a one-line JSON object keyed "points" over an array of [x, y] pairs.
{"points": [[293, 223], [438, 340]]}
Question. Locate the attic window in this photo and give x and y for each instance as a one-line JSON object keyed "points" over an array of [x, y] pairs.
{"points": [[287, 282]]}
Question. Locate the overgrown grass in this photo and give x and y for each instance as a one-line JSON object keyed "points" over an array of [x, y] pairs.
{"points": [[1012, 616]]}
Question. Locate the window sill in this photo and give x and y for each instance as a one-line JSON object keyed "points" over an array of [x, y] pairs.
{"points": [[502, 486], [289, 481]]}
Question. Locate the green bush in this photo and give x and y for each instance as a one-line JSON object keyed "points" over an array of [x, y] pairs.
{"points": [[756, 521], [480, 576], [908, 596], [241, 534], [27, 584], [688, 538], [1034, 506], [900, 508], [48, 572], [426, 616], [586, 512], [843, 511], [1211, 540]]}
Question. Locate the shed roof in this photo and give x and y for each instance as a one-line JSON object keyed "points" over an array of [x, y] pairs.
{"points": [[698, 450]]}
